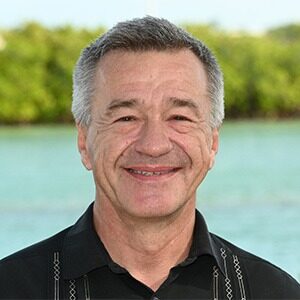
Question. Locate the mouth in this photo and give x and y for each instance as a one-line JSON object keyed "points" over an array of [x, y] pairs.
{"points": [[151, 173]]}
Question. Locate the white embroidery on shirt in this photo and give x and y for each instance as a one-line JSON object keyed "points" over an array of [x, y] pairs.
{"points": [[86, 287], [215, 283], [56, 268], [72, 289], [239, 275], [227, 280]]}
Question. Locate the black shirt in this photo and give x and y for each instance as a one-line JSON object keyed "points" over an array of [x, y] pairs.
{"points": [[74, 264]]}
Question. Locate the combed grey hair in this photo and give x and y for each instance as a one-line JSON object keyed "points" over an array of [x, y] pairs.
{"points": [[143, 34]]}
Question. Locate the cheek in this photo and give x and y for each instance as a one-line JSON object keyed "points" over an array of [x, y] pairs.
{"points": [[98, 144], [204, 147], [110, 149], [195, 144]]}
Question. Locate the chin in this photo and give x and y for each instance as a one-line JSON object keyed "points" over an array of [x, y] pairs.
{"points": [[153, 208]]}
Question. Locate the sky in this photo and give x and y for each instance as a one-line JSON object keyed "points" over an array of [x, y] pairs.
{"points": [[234, 15]]}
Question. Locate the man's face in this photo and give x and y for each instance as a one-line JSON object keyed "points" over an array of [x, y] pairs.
{"points": [[149, 143]]}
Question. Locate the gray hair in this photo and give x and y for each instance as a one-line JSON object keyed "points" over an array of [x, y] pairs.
{"points": [[143, 34]]}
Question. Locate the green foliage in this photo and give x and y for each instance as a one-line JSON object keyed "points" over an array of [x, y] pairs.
{"points": [[36, 72], [262, 73], [288, 33]]}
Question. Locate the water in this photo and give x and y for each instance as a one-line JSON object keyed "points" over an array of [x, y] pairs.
{"points": [[251, 197]]}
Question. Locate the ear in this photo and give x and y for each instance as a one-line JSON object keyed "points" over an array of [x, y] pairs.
{"points": [[214, 147], [82, 146]]}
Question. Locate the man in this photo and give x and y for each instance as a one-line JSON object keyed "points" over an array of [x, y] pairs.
{"points": [[148, 103]]}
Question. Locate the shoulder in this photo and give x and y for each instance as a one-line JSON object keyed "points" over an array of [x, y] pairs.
{"points": [[264, 279], [40, 249], [28, 267]]}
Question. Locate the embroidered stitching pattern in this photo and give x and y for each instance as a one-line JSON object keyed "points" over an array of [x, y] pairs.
{"points": [[239, 275], [86, 287], [227, 280], [215, 283], [72, 291], [56, 268]]}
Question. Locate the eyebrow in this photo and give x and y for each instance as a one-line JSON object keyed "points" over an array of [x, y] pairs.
{"points": [[174, 102], [189, 103], [120, 103]]}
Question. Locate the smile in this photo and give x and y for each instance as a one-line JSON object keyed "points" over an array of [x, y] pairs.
{"points": [[151, 173], [147, 173]]}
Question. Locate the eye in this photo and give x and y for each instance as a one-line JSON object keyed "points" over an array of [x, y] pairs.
{"points": [[125, 119], [180, 118]]}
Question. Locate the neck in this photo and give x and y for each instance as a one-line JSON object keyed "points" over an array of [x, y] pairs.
{"points": [[147, 248]]}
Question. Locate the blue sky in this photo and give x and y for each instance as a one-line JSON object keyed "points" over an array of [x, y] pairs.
{"points": [[249, 15]]}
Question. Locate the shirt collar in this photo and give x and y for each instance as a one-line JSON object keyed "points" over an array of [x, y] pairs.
{"points": [[83, 250], [204, 244]]}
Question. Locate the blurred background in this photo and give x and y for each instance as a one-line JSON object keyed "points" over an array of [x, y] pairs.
{"points": [[251, 197]]}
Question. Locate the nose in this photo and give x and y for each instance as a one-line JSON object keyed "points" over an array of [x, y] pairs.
{"points": [[153, 140]]}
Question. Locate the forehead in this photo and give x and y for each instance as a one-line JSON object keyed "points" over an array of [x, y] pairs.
{"points": [[116, 61], [131, 74]]}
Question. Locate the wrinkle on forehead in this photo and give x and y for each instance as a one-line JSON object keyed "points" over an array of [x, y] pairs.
{"points": [[151, 75], [113, 62]]}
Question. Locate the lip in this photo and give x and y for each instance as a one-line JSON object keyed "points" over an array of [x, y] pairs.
{"points": [[151, 173]]}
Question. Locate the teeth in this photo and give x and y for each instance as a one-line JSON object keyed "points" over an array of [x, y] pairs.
{"points": [[146, 173]]}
